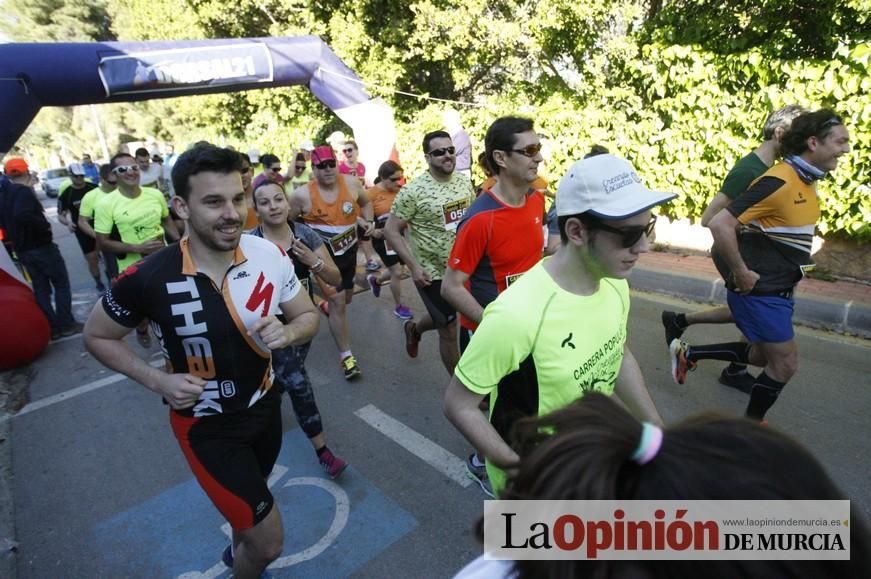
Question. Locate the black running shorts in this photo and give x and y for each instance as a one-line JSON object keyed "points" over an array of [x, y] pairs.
{"points": [[441, 312], [347, 264], [232, 455]]}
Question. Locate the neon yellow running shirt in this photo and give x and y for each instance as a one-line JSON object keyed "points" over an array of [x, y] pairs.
{"points": [[137, 220], [539, 348]]}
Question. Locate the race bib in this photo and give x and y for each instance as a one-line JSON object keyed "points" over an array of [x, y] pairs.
{"points": [[344, 241], [453, 213], [388, 249], [511, 278]]}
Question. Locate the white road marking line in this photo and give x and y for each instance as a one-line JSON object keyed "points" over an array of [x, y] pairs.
{"points": [[83, 389], [428, 451]]}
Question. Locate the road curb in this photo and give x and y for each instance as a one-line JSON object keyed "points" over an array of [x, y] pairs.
{"points": [[849, 317]]}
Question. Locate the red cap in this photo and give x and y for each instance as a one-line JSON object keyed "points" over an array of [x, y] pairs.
{"points": [[323, 153], [16, 167]]}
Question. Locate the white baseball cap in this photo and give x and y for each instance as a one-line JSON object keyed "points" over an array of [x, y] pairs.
{"points": [[76, 169], [254, 155], [607, 187], [307, 145]]}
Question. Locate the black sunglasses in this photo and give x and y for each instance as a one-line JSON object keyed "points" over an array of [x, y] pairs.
{"points": [[329, 164], [834, 121], [275, 169], [395, 179], [529, 150], [348, 150], [629, 235], [442, 151]]}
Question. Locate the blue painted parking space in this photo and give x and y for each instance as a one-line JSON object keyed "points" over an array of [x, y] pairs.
{"points": [[332, 528]]}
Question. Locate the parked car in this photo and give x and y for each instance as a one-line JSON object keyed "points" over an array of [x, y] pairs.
{"points": [[51, 180]]}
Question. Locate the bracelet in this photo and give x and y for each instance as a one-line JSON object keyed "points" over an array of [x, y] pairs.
{"points": [[318, 266]]}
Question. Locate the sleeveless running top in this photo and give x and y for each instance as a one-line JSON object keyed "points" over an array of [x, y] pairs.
{"points": [[335, 222]]}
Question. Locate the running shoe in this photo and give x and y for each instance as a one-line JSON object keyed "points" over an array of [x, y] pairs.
{"points": [[479, 475], [372, 265], [679, 363], [72, 329], [333, 465], [350, 367], [227, 559], [374, 285], [742, 381], [412, 338], [324, 307], [672, 330], [402, 312]]}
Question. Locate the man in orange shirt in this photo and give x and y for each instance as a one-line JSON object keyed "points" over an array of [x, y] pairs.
{"points": [[334, 206]]}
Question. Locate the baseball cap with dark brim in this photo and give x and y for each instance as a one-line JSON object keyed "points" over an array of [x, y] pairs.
{"points": [[607, 187], [323, 153], [16, 167]]}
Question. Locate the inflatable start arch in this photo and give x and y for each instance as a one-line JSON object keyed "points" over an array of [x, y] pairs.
{"points": [[36, 75]]}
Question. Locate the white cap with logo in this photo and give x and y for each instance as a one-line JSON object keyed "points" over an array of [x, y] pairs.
{"points": [[76, 169], [607, 187]]}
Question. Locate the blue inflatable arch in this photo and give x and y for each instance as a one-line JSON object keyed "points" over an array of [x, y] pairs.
{"points": [[36, 75]]}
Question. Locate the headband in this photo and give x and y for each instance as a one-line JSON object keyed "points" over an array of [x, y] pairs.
{"points": [[649, 445]]}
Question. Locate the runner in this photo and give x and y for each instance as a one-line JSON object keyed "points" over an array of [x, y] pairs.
{"points": [[382, 196], [132, 222], [69, 201], [353, 167], [108, 183], [431, 206], [500, 237], [309, 255], [332, 205], [762, 248], [225, 413], [745, 171], [559, 331], [251, 220]]}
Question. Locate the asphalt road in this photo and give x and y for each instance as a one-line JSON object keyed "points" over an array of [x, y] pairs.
{"points": [[101, 489]]}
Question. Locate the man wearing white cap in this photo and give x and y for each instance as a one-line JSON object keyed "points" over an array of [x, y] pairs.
{"points": [[565, 319], [69, 201]]}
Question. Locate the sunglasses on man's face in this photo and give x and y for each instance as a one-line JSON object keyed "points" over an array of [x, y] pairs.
{"points": [[629, 235], [529, 150], [299, 167], [442, 152], [121, 169], [329, 164]]}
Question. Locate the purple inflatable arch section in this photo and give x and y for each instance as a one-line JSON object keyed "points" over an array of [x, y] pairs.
{"points": [[35, 75]]}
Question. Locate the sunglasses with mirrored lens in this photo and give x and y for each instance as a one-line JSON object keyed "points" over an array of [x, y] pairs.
{"points": [[629, 235], [121, 169], [442, 151], [529, 150], [329, 164]]}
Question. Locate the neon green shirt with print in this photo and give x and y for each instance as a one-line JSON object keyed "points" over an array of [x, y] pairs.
{"points": [[539, 348], [137, 220], [89, 202], [433, 210]]}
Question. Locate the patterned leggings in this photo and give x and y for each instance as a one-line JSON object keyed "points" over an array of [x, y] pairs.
{"points": [[290, 376]]}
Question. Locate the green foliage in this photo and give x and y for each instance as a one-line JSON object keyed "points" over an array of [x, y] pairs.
{"points": [[681, 88]]}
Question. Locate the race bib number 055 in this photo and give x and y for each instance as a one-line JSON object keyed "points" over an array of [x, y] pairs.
{"points": [[453, 213]]}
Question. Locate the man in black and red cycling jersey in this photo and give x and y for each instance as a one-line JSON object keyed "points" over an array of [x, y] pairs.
{"points": [[212, 300]]}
